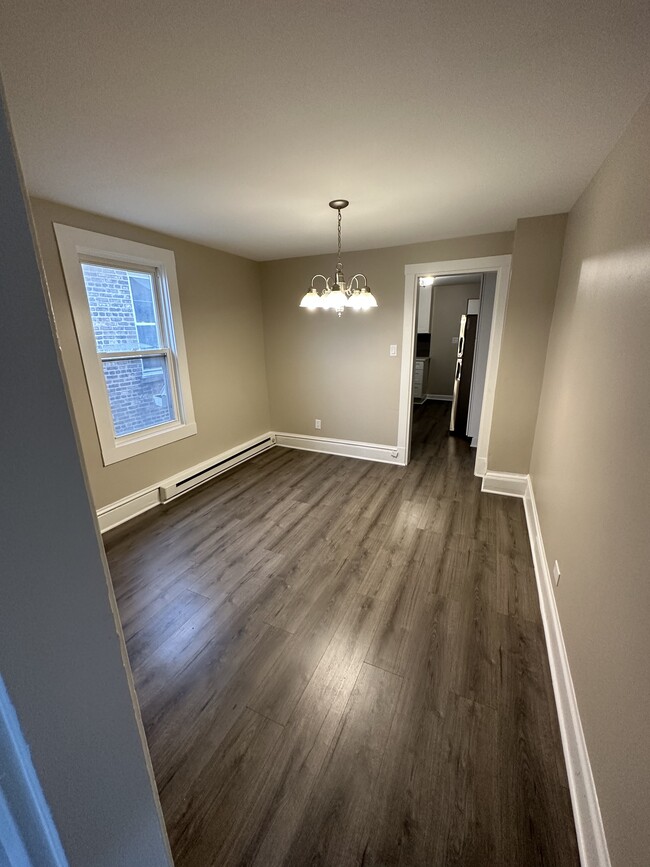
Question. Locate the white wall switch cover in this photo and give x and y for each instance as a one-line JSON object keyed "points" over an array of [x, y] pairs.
{"points": [[393, 350], [556, 572], [317, 423]]}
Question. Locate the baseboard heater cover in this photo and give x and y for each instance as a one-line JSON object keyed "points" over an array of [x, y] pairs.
{"points": [[197, 476]]}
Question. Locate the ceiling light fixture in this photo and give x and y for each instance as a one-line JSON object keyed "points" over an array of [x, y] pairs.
{"points": [[336, 293]]}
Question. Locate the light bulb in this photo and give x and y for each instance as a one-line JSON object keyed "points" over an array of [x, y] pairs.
{"points": [[311, 300], [336, 300], [366, 299]]}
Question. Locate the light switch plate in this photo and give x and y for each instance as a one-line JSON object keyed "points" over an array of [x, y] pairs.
{"points": [[393, 350], [317, 423]]}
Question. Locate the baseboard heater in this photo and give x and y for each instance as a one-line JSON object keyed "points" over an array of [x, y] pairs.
{"points": [[198, 475]]}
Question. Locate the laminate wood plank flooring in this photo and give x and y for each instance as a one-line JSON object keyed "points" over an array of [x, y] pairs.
{"points": [[342, 663]]}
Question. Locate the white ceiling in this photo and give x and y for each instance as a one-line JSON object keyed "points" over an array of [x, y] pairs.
{"points": [[234, 123]]}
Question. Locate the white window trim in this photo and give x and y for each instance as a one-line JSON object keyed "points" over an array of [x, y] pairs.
{"points": [[77, 244]]}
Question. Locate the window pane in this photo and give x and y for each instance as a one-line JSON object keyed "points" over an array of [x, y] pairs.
{"points": [[151, 365], [113, 294], [140, 397], [144, 311], [147, 337], [142, 294]]}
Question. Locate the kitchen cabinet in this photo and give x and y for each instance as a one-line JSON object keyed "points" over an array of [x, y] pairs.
{"points": [[420, 377]]}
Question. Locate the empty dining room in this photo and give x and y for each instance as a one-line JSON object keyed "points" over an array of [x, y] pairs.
{"points": [[324, 511]]}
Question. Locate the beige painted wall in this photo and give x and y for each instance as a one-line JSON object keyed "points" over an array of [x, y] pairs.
{"points": [[592, 484], [222, 322], [339, 370], [536, 256], [449, 304]]}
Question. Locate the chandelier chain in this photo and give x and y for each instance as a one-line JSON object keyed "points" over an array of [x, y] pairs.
{"points": [[339, 233]]}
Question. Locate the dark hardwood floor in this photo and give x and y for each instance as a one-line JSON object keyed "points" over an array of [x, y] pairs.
{"points": [[342, 663]]}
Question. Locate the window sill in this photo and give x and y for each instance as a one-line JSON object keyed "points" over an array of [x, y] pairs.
{"points": [[114, 452]]}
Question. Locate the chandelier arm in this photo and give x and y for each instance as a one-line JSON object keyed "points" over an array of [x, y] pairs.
{"points": [[316, 276], [356, 278]]}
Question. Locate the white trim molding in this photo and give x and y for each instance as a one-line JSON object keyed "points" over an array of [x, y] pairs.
{"points": [[128, 507], [584, 798], [117, 513], [500, 264], [136, 504], [344, 448], [480, 467], [508, 484], [206, 470]]}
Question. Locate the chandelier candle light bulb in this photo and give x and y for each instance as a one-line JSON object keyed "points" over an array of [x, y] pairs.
{"points": [[336, 294]]}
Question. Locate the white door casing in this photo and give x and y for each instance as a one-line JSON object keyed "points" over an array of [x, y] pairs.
{"points": [[499, 264]]}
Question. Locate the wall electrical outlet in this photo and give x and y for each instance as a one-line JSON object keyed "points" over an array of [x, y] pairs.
{"points": [[556, 573], [393, 350], [317, 423]]}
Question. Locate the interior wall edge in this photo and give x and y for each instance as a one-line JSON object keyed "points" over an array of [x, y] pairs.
{"points": [[536, 262]]}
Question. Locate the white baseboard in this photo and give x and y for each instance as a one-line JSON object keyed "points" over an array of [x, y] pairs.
{"points": [[197, 475], [344, 448], [584, 798], [448, 397], [508, 484], [136, 504], [129, 507]]}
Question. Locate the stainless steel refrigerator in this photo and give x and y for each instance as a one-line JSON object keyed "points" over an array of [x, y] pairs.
{"points": [[463, 375]]}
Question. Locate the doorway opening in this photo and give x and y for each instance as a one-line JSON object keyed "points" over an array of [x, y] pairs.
{"points": [[453, 321], [437, 348]]}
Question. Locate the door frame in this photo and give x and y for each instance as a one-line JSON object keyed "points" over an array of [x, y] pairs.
{"points": [[502, 266]]}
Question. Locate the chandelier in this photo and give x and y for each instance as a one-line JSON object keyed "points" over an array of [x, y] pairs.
{"points": [[336, 294]]}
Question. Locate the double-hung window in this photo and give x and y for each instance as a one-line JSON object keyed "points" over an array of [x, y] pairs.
{"points": [[125, 305]]}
